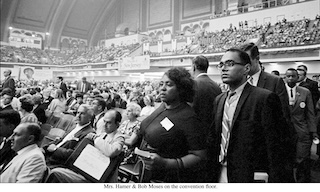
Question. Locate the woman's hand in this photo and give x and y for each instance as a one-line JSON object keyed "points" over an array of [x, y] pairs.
{"points": [[155, 161]]}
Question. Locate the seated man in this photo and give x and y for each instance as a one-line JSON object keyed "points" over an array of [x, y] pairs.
{"points": [[59, 151], [109, 143], [9, 120], [29, 165]]}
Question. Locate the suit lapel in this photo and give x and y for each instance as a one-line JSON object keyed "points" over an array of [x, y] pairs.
{"points": [[245, 93], [262, 80], [220, 109], [296, 103]]}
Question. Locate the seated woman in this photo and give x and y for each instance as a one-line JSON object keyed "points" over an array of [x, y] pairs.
{"points": [[25, 110], [109, 143], [58, 104], [130, 128], [172, 133]]}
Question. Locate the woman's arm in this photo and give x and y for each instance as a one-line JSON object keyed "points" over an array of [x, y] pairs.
{"points": [[191, 159], [131, 140]]}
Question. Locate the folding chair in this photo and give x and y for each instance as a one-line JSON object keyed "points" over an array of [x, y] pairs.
{"points": [[132, 172], [65, 122], [45, 129], [53, 134]]}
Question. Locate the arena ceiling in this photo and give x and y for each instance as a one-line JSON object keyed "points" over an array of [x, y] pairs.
{"points": [[72, 18]]}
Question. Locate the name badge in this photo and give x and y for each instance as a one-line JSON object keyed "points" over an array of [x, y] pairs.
{"points": [[302, 105], [166, 123]]}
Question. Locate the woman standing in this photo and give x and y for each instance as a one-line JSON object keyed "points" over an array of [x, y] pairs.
{"points": [[172, 133]]}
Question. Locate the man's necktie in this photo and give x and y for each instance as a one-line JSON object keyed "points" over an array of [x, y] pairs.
{"points": [[291, 93], [226, 125]]}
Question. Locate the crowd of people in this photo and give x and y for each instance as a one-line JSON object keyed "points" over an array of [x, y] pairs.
{"points": [[193, 129], [282, 34]]}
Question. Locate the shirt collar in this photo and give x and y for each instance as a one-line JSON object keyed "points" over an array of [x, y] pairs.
{"points": [[201, 74], [256, 77], [27, 148], [239, 90]]}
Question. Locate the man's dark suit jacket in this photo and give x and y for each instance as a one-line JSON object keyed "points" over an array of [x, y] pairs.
{"points": [[255, 139], [8, 107], [206, 91], [39, 111], [87, 88], [6, 153], [59, 156], [313, 88], [276, 85], [64, 88], [10, 83]]}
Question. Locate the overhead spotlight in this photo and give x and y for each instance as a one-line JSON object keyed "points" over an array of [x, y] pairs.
{"points": [[10, 28], [47, 33]]}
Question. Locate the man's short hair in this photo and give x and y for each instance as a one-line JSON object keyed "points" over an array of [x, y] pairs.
{"points": [[252, 48], [304, 72], [10, 117], [61, 78], [245, 58], [304, 67], [118, 116], [201, 63], [35, 130], [101, 102], [7, 91], [292, 69], [79, 95]]}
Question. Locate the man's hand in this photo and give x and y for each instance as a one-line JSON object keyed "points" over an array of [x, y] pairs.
{"points": [[51, 148]]}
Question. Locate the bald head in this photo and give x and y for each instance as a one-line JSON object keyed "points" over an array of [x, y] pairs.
{"points": [[112, 120]]}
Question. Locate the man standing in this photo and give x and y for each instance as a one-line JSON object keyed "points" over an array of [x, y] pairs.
{"points": [[304, 121], [84, 86], [62, 85], [9, 81], [248, 126], [29, 165], [206, 91], [304, 81], [257, 77], [59, 151]]}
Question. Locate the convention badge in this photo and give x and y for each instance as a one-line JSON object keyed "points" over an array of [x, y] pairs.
{"points": [[166, 123], [302, 105]]}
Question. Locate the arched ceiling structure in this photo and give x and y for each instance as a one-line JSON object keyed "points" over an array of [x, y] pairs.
{"points": [[72, 18]]}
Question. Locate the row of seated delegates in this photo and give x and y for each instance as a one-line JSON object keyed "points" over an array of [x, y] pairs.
{"points": [[110, 143]]}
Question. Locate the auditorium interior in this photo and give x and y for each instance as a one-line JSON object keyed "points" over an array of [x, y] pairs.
{"points": [[137, 41]]}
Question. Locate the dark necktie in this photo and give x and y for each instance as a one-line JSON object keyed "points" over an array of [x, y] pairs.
{"points": [[291, 93]]}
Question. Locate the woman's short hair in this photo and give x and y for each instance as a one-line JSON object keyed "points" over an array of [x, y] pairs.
{"points": [[136, 109], [182, 78]]}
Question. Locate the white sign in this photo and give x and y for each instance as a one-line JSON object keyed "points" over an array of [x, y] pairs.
{"points": [[134, 63]]}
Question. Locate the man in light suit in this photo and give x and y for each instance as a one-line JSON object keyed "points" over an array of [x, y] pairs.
{"points": [[84, 86], [62, 86], [29, 164], [59, 151], [260, 78], [304, 121], [247, 126], [9, 81], [206, 91]]}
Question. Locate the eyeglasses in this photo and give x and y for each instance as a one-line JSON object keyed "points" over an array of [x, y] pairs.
{"points": [[228, 63]]}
